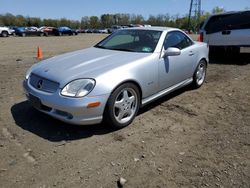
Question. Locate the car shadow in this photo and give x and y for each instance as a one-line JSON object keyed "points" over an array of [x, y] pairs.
{"points": [[46, 127], [229, 59], [165, 98], [36, 122]]}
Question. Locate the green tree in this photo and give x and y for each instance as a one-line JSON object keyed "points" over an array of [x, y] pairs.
{"points": [[218, 10], [20, 21], [33, 21], [94, 21], [137, 19], [123, 19], [8, 19], [107, 20], [85, 22]]}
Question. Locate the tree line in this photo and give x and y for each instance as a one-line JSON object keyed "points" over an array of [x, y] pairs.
{"points": [[104, 21]]}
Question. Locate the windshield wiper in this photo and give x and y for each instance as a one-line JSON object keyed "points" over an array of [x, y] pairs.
{"points": [[123, 49], [120, 49]]}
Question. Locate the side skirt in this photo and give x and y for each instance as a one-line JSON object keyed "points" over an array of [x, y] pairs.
{"points": [[165, 91]]}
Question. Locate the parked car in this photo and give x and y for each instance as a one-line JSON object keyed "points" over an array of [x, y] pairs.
{"points": [[28, 31], [89, 30], [5, 31], [12, 31], [120, 74], [81, 30], [96, 31], [227, 32], [47, 30], [114, 28], [65, 31], [103, 30]]}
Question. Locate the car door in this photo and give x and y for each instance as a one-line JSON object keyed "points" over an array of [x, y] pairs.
{"points": [[175, 69], [29, 32]]}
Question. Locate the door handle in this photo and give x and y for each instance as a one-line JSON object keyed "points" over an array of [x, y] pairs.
{"points": [[191, 53]]}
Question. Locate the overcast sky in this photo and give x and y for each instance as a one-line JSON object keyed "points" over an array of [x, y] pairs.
{"points": [[75, 9]]}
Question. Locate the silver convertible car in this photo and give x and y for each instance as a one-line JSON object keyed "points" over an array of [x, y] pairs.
{"points": [[113, 79]]}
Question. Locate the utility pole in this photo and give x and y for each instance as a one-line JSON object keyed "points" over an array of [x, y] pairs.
{"points": [[194, 15]]}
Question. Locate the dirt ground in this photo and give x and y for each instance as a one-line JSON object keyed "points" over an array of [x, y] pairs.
{"points": [[191, 138]]}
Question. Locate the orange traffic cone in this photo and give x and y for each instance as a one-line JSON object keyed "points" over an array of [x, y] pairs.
{"points": [[39, 53]]}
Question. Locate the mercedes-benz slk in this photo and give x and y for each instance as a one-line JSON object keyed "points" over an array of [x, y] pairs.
{"points": [[113, 79]]}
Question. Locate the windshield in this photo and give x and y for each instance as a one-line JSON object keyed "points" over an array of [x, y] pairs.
{"points": [[131, 40]]}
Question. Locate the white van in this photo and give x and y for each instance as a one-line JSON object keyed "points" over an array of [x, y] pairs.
{"points": [[228, 31]]}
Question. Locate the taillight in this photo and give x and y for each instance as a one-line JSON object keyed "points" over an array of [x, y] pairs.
{"points": [[200, 37]]}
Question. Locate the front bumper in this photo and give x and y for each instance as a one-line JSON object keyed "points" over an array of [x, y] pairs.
{"points": [[69, 110]]}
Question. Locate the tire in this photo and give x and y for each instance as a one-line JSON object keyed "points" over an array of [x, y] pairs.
{"points": [[59, 34], [23, 34], [122, 106], [5, 34], [200, 74]]}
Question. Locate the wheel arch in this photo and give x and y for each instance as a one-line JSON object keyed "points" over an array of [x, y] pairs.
{"points": [[108, 114], [132, 82], [196, 85], [204, 59], [200, 59]]}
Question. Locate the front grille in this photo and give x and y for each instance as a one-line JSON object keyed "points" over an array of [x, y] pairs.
{"points": [[43, 84]]}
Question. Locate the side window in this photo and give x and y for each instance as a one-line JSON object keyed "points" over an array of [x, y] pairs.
{"points": [[177, 39]]}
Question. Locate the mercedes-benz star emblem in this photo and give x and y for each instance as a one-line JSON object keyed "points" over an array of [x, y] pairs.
{"points": [[39, 84]]}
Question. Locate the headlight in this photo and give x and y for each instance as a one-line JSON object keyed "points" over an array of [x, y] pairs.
{"points": [[78, 88], [28, 73]]}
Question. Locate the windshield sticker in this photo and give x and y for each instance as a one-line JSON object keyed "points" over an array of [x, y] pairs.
{"points": [[146, 49]]}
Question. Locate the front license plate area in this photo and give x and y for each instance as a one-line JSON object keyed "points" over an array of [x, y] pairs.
{"points": [[35, 101]]}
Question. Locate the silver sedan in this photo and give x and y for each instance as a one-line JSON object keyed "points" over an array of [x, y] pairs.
{"points": [[113, 79]]}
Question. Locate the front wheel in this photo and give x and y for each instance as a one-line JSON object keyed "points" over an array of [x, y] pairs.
{"points": [[200, 74], [122, 106]]}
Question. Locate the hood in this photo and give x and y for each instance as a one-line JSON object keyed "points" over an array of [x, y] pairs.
{"points": [[3, 27], [86, 63]]}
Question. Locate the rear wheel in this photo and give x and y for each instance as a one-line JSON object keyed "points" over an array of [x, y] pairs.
{"points": [[200, 74], [122, 106], [4, 34]]}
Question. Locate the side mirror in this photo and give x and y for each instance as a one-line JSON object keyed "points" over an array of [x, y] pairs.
{"points": [[172, 52]]}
